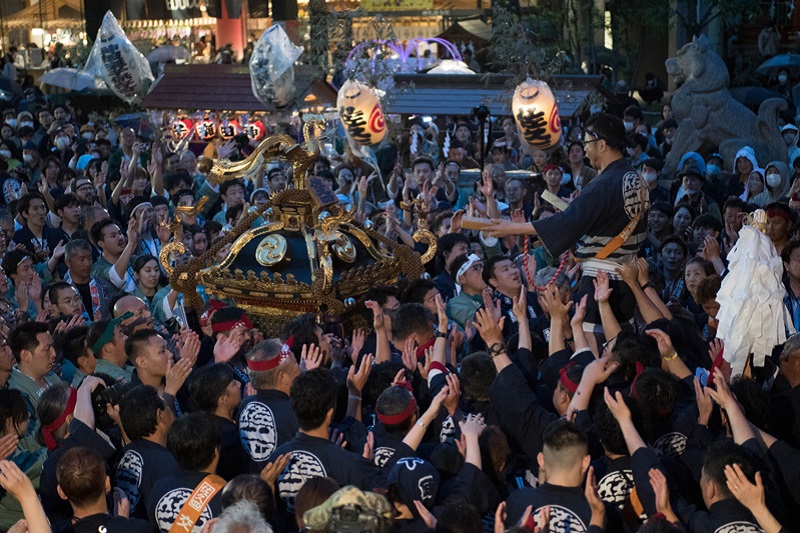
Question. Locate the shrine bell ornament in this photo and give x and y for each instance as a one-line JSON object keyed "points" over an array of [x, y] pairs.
{"points": [[361, 113], [116, 61], [536, 114]]}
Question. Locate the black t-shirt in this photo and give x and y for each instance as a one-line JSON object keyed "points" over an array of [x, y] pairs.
{"points": [[141, 465], [266, 421], [170, 494], [569, 510], [104, 523]]}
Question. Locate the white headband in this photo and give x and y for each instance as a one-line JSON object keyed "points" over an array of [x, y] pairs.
{"points": [[471, 260]]}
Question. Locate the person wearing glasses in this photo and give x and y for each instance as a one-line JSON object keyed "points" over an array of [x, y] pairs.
{"points": [[607, 223]]}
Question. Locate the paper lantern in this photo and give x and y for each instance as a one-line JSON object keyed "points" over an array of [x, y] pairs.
{"points": [[181, 127], [536, 114], [116, 61], [361, 113], [255, 130], [228, 129], [206, 129]]}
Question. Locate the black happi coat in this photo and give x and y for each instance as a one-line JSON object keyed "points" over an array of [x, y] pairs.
{"points": [[141, 465]]}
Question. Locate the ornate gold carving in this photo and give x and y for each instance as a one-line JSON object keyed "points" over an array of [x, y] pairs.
{"points": [[166, 251], [270, 251], [425, 236], [344, 249]]}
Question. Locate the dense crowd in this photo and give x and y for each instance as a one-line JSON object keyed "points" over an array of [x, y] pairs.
{"points": [[516, 386]]}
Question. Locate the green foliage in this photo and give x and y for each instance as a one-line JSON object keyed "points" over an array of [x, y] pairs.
{"points": [[517, 49]]}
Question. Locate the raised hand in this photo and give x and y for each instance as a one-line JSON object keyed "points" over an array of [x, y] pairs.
{"points": [[491, 304], [616, 404], [426, 368], [269, 474], [644, 271], [378, 322], [705, 403], [189, 346], [311, 357], [410, 354], [580, 312], [357, 343], [225, 348], [176, 375], [629, 272], [454, 393], [357, 380], [489, 328], [602, 287]]}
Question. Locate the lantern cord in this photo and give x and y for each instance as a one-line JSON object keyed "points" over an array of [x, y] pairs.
{"points": [[526, 259]]}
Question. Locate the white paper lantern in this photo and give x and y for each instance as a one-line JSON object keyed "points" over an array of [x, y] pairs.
{"points": [[361, 113], [536, 114]]}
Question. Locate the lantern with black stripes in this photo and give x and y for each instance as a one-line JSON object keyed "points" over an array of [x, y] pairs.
{"points": [[536, 114], [361, 113]]}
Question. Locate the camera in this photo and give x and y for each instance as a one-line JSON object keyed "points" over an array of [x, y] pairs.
{"points": [[103, 395]]}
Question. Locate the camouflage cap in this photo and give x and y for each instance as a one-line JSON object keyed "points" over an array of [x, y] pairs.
{"points": [[374, 506]]}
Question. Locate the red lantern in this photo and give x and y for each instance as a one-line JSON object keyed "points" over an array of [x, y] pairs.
{"points": [[255, 130], [181, 127], [228, 129], [206, 129]]}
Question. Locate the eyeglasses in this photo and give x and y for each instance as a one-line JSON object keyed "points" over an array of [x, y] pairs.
{"points": [[607, 343], [593, 134]]}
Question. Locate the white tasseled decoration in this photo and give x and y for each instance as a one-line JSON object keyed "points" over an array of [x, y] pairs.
{"points": [[752, 316], [446, 147]]}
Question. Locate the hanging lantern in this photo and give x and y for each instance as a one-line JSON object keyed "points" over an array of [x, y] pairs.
{"points": [[228, 129], [206, 128], [255, 130], [361, 113], [181, 127], [536, 114]]}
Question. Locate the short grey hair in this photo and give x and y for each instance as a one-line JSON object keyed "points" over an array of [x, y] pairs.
{"points": [[561, 281], [792, 345], [242, 517], [266, 349]]}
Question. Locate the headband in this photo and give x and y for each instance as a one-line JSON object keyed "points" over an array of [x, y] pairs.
{"points": [[551, 166], [105, 338], [23, 259], [48, 429], [216, 305], [776, 212], [275, 362], [421, 349], [471, 260], [566, 381], [232, 324], [145, 204], [403, 415]]}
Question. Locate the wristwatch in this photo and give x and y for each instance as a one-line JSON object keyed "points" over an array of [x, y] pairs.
{"points": [[497, 348], [440, 335]]}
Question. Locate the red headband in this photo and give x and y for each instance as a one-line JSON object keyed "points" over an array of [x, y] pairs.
{"points": [[551, 166], [566, 381], [232, 324], [48, 429], [421, 349], [275, 362], [775, 212], [402, 416], [216, 305]]}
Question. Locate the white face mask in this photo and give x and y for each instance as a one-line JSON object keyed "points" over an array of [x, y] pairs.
{"points": [[88, 135], [28, 124], [650, 176], [628, 126], [27, 157], [565, 179], [5, 154], [12, 122], [773, 180], [62, 142], [782, 78]]}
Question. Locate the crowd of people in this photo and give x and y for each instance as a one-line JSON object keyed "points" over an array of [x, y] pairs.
{"points": [[571, 381]]}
